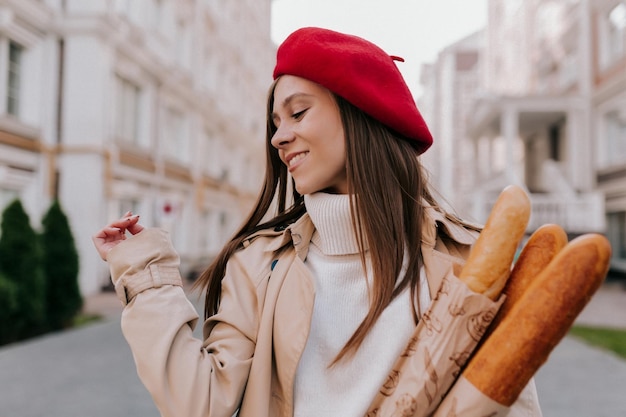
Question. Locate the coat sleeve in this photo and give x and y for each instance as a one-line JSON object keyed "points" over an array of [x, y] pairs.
{"points": [[185, 376]]}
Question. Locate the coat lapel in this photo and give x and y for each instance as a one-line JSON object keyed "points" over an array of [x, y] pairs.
{"points": [[437, 257]]}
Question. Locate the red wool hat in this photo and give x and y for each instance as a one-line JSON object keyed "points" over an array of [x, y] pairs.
{"points": [[358, 71]]}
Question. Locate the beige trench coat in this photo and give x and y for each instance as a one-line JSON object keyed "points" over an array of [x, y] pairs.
{"points": [[252, 346]]}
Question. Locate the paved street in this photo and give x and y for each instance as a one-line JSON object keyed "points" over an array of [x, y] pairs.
{"points": [[579, 381], [89, 372]]}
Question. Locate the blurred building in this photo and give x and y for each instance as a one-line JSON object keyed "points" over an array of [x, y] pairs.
{"points": [[548, 112], [154, 106], [449, 89]]}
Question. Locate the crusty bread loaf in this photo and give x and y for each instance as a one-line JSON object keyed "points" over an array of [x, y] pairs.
{"points": [[489, 263], [539, 250], [541, 317]]}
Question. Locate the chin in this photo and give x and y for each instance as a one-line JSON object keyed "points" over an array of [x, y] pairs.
{"points": [[304, 189]]}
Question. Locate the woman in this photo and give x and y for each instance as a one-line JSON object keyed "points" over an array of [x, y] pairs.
{"points": [[307, 312]]}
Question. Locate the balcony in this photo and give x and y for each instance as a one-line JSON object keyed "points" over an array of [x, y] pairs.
{"points": [[577, 214]]}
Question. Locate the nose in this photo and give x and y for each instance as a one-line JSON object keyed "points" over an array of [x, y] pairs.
{"points": [[282, 137]]}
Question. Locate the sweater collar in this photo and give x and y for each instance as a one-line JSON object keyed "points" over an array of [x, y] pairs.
{"points": [[299, 234], [330, 213]]}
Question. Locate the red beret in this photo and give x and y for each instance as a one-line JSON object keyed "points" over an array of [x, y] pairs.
{"points": [[360, 72]]}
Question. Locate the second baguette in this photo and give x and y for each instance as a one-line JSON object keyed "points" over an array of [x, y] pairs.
{"points": [[542, 246]]}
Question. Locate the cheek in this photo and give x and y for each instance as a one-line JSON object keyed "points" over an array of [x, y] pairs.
{"points": [[339, 154], [336, 158], [334, 135], [339, 145]]}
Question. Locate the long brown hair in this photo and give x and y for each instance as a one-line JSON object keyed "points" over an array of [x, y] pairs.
{"points": [[390, 189]]}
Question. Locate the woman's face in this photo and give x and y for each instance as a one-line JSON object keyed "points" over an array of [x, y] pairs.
{"points": [[309, 135]]}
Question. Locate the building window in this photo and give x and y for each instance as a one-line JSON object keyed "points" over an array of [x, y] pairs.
{"points": [[615, 137], [219, 156], [616, 233], [613, 46], [617, 19], [214, 230], [127, 111], [204, 234], [224, 226], [176, 136], [182, 43], [14, 78], [131, 205]]}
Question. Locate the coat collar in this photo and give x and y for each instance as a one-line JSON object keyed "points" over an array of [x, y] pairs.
{"points": [[298, 233], [437, 259], [436, 223]]}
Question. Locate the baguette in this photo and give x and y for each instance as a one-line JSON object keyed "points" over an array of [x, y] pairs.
{"points": [[489, 263], [542, 246], [456, 318], [541, 317]]}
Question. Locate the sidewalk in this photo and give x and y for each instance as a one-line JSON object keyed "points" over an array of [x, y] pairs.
{"points": [[607, 308], [90, 371], [579, 380], [86, 372]]}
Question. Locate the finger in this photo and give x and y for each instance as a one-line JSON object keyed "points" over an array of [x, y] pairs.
{"points": [[124, 222], [135, 228], [132, 224], [106, 238], [107, 232]]}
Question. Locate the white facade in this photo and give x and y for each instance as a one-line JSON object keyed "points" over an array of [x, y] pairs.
{"points": [[547, 114], [608, 83], [450, 85], [154, 106]]}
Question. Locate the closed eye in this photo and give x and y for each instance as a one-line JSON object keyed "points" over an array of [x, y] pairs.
{"points": [[299, 114]]}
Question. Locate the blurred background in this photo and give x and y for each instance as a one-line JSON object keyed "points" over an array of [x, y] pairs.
{"points": [[158, 107]]}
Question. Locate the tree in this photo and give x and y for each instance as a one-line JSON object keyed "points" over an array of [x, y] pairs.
{"points": [[20, 263], [60, 265], [8, 307]]}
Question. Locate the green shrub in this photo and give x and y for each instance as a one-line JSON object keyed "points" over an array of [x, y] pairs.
{"points": [[60, 265], [8, 308], [604, 337], [20, 263]]}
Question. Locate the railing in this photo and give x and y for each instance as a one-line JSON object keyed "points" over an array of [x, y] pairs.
{"points": [[583, 213]]}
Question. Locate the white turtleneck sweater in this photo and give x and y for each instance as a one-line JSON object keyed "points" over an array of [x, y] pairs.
{"points": [[341, 303]]}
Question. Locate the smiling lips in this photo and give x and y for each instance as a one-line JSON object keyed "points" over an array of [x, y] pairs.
{"points": [[293, 161]]}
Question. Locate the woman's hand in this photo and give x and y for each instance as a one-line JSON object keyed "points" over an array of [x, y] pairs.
{"points": [[112, 234]]}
